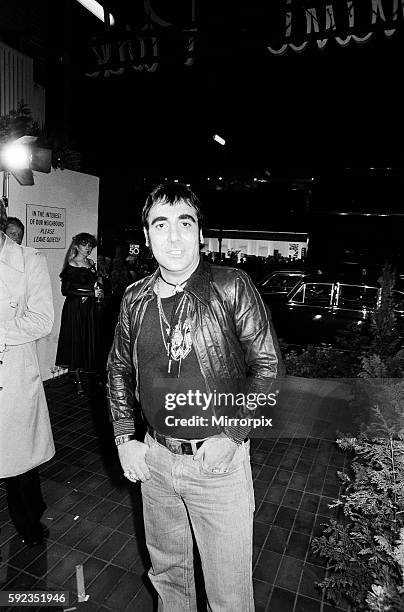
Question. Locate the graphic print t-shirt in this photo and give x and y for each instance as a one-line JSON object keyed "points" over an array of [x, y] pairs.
{"points": [[155, 383]]}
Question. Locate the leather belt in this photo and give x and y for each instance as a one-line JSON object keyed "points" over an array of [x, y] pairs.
{"points": [[175, 445]]}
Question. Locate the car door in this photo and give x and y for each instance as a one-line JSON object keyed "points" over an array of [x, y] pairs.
{"points": [[398, 305], [353, 304], [304, 318]]}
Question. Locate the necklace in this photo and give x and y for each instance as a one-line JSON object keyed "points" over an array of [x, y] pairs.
{"points": [[179, 341], [177, 286]]}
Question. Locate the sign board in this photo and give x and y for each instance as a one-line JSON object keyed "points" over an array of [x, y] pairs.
{"points": [[134, 249], [46, 227], [294, 250]]}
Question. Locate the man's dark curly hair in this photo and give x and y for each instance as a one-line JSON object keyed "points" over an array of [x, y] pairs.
{"points": [[171, 193]]}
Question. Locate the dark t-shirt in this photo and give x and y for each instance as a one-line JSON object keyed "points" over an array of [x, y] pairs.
{"points": [[157, 387]]}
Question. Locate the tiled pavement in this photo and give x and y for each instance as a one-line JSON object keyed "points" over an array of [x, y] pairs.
{"points": [[95, 519]]}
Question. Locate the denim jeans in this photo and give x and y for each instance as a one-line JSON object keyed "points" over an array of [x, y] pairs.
{"points": [[220, 507]]}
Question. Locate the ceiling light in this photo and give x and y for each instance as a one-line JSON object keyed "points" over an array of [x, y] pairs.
{"points": [[96, 9], [219, 139]]}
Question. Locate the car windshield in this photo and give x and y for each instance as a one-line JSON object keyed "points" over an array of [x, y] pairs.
{"points": [[357, 297], [281, 283]]}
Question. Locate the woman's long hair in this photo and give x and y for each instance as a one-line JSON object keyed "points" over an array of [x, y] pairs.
{"points": [[82, 238], [3, 215]]}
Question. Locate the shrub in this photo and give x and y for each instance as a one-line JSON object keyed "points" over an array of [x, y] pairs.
{"points": [[366, 551], [315, 362]]}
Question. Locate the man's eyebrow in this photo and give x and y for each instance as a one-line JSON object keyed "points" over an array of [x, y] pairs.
{"points": [[184, 216], [158, 220], [187, 216]]}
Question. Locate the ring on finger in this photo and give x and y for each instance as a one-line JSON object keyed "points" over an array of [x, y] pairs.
{"points": [[130, 476]]}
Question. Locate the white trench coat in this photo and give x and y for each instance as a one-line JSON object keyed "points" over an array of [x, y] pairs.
{"points": [[26, 314]]}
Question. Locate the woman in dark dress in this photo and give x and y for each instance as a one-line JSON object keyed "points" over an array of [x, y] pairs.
{"points": [[79, 337]]}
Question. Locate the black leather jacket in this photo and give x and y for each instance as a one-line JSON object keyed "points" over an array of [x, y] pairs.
{"points": [[231, 332]]}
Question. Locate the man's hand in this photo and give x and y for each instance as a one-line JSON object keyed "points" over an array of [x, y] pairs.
{"points": [[132, 457], [216, 453]]}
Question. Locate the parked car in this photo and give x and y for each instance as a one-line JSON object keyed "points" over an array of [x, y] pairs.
{"points": [[314, 311]]}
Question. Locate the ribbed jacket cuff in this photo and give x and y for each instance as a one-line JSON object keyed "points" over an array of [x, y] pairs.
{"points": [[237, 433], [123, 426]]}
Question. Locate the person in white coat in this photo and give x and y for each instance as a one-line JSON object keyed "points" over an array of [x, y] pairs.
{"points": [[26, 314]]}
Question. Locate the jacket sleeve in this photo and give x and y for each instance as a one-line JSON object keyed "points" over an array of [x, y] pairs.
{"points": [[120, 386], [259, 344], [37, 319]]}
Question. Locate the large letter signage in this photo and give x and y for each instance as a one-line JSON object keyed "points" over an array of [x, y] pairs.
{"points": [[343, 21], [144, 46]]}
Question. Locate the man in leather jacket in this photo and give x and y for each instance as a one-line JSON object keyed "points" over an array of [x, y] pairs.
{"points": [[194, 345]]}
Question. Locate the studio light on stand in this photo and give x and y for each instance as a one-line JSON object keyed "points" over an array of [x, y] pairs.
{"points": [[20, 158]]}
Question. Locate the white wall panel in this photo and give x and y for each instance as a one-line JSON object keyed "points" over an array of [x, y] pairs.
{"points": [[78, 194]]}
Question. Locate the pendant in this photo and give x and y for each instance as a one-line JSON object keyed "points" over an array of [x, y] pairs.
{"points": [[177, 337]]}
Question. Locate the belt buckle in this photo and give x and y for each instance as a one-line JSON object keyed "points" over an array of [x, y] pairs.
{"points": [[175, 446]]}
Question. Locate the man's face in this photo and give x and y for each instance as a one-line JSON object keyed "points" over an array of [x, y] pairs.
{"points": [[14, 232], [174, 236]]}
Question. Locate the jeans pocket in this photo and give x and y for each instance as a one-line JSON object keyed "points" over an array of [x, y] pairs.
{"points": [[235, 465], [151, 443]]}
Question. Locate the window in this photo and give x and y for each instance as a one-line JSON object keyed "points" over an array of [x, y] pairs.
{"points": [[398, 301], [281, 283], [357, 297], [314, 294], [299, 295], [318, 294]]}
